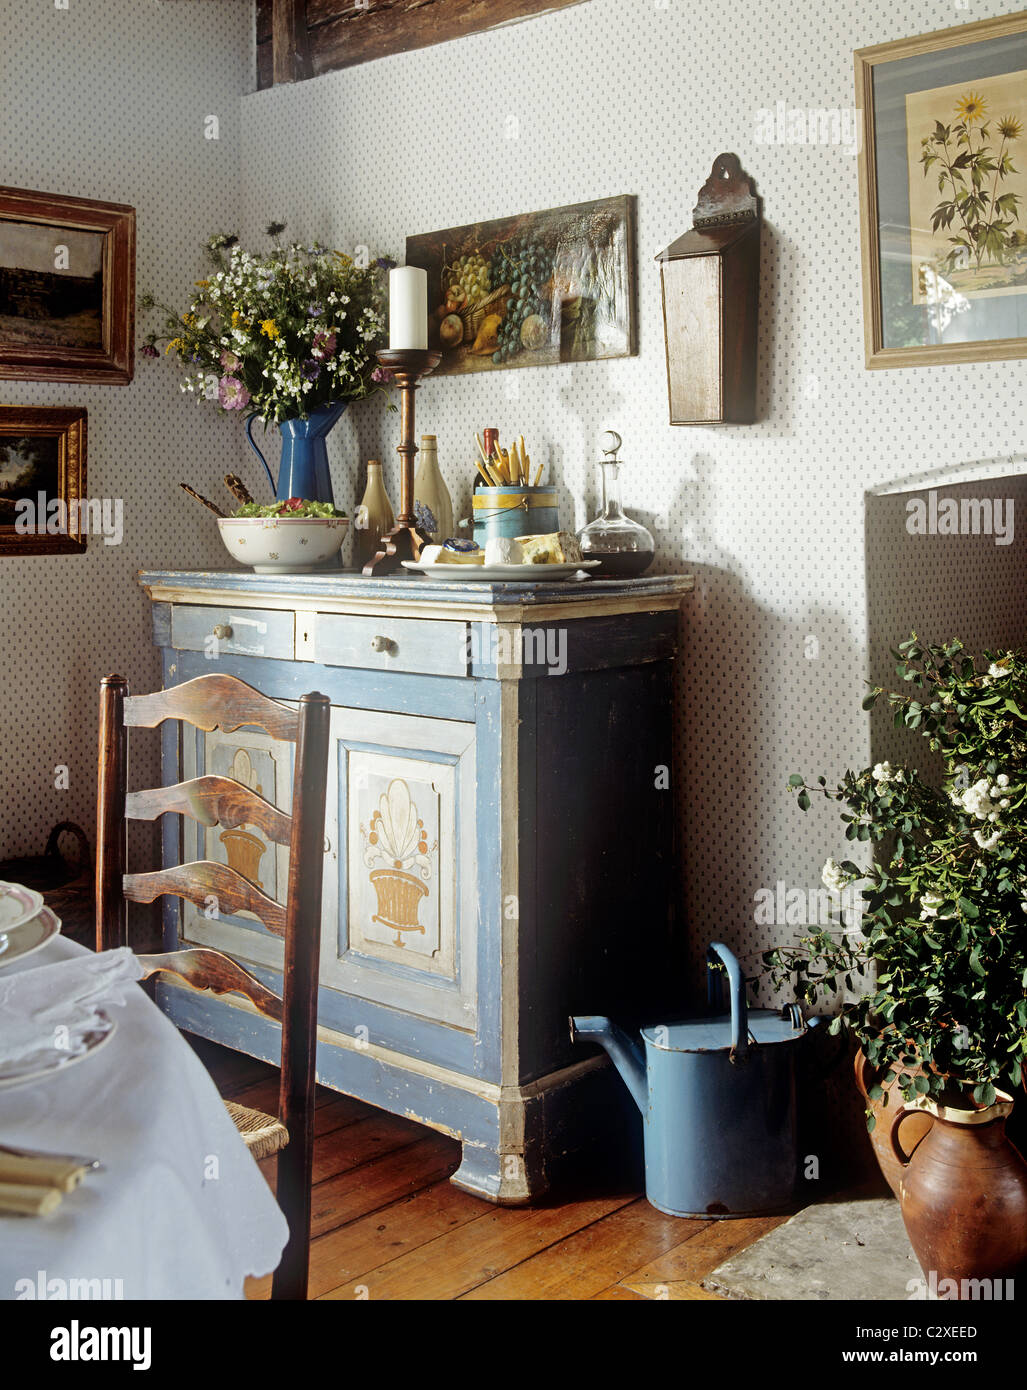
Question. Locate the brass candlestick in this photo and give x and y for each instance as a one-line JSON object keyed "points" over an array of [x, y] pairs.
{"points": [[404, 541]]}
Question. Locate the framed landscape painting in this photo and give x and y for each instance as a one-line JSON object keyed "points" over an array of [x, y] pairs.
{"points": [[42, 480], [532, 290], [67, 288], [943, 195]]}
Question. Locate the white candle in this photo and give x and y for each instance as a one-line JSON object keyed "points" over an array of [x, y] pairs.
{"points": [[408, 307]]}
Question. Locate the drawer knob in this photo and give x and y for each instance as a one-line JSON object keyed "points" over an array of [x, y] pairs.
{"points": [[384, 644], [222, 632]]}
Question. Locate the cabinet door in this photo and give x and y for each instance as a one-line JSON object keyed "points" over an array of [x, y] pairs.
{"points": [[265, 765], [400, 902], [400, 907]]}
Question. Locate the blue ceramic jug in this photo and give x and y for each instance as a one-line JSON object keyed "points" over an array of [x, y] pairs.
{"points": [[303, 471]]}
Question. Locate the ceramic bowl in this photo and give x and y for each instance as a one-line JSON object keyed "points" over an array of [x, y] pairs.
{"points": [[282, 544]]}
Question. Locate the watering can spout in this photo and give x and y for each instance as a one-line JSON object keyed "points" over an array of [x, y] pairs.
{"points": [[626, 1055]]}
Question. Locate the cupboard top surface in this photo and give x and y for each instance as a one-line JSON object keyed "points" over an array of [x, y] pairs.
{"points": [[458, 599]]}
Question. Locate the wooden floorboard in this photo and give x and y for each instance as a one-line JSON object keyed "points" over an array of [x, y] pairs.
{"points": [[585, 1263], [388, 1225]]}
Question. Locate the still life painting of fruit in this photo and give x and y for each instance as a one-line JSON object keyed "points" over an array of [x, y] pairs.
{"points": [[531, 290]]}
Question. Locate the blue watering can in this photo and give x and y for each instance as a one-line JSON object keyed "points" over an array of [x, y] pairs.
{"points": [[717, 1097], [303, 471]]}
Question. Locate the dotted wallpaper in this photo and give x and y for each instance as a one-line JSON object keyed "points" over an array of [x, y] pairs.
{"points": [[109, 99], [639, 96]]}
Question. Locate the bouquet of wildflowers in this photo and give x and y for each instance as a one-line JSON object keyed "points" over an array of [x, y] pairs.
{"points": [[278, 335], [945, 921]]}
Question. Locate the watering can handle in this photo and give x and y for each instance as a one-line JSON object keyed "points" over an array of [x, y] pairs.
{"points": [[253, 445], [739, 1008]]}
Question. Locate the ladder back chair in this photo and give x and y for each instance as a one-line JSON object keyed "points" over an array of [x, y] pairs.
{"points": [[209, 702]]}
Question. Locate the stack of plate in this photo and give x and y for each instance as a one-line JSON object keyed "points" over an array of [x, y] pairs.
{"points": [[26, 924]]}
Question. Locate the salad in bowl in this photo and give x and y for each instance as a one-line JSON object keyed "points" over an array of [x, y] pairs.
{"points": [[291, 537]]}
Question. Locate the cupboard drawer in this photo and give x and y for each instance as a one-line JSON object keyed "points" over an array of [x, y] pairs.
{"points": [[235, 631], [391, 644]]}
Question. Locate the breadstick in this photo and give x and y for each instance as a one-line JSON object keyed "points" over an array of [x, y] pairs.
{"points": [[193, 493]]}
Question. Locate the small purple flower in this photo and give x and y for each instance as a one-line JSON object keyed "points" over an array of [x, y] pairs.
{"points": [[425, 518], [315, 310], [311, 369], [148, 350], [385, 263], [382, 375], [232, 393], [324, 344]]}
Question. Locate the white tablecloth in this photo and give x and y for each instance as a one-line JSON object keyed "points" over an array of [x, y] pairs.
{"points": [[181, 1210]]}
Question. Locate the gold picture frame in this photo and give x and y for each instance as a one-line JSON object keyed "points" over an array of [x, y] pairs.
{"points": [[949, 283], [42, 461]]}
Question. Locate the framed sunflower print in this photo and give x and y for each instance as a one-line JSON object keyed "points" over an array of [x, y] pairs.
{"points": [[943, 195]]}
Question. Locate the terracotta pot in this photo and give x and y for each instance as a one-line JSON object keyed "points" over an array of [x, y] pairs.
{"points": [[964, 1195], [886, 1117]]}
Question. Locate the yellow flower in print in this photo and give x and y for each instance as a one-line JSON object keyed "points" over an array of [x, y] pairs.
{"points": [[1010, 128], [176, 345], [971, 108], [270, 329]]}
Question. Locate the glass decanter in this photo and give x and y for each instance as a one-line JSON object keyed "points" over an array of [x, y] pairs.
{"points": [[623, 547]]}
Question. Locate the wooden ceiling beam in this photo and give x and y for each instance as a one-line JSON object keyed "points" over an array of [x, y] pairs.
{"points": [[341, 34], [289, 44]]}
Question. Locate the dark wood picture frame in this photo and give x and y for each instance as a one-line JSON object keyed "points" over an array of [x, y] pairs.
{"points": [[112, 361], [66, 424]]}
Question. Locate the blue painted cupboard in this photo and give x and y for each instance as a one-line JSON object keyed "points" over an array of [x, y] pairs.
{"points": [[499, 844]]}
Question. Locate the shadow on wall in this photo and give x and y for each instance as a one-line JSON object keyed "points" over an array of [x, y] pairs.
{"points": [[760, 694], [944, 561]]}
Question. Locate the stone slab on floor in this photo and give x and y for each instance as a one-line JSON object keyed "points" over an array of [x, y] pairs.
{"points": [[849, 1250]]}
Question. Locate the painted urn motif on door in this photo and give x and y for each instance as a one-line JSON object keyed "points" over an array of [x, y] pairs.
{"points": [[243, 849], [396, 841]]}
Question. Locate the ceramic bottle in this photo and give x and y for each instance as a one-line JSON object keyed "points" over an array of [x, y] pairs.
{"points": [[374, 517], [430, 488]]}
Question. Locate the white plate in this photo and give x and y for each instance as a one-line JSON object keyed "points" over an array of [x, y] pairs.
{"points": [[30, 936], [491, 574], [17, 905], [10, 1075]]}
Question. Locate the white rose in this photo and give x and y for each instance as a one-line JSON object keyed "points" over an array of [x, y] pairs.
{"points": [[929, 904], [987, 842], [833, 876]]}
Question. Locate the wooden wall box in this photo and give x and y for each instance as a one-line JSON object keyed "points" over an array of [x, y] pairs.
{"points": [[543, 877], [710, 284]]}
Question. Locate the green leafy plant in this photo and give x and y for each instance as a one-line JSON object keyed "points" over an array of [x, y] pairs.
{"points": [[970, 176], [278, 335], [939, 961]]}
